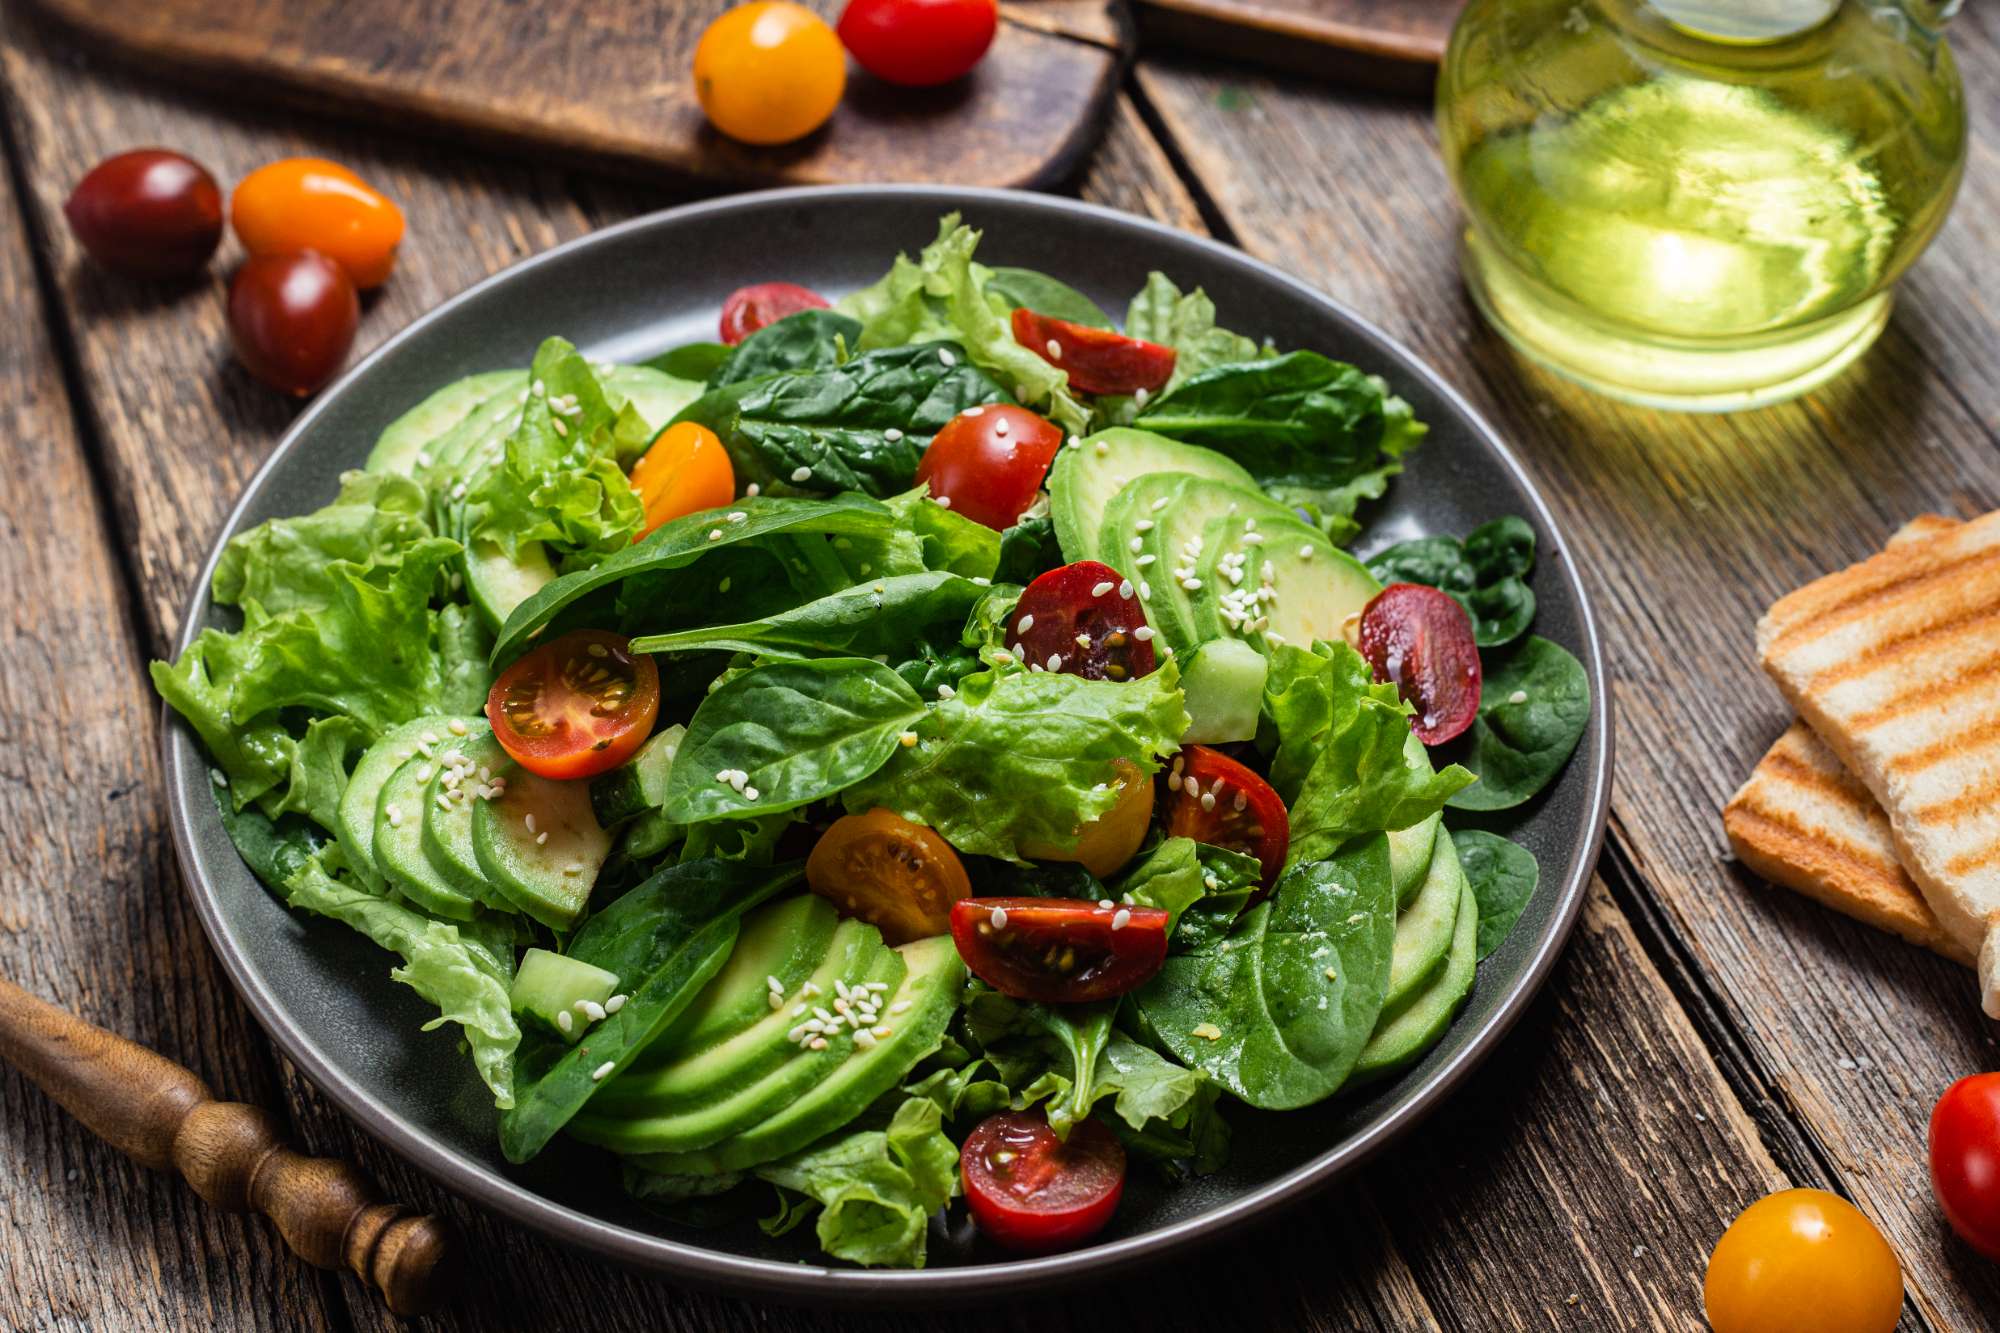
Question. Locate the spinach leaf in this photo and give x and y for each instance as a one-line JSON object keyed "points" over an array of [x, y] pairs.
{"points": [[935, 667], [1026, 289], [274, 849], [1297, 420], [1278, 1010], [1037, 879], [1503, 875], [1028, 550], [869, 618], [1485, 574], [694, 362], [1020, 758], [859, 426], [664, 940], [1533, 707], [808, 340], [798, 731], [683, 541]]}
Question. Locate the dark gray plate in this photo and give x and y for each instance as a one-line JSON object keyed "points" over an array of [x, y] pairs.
{"points": [[628, 292]]}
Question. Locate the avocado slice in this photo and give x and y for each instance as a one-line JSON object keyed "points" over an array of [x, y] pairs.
{"points": [[1307, 586], [399, 842], [657, 396], [474, 444], [1400, 1039], [539, 844], [1158, 537], [1424, 928], [1410, 848], [499, 582], [418, 430], [1085, 479], [447, 831], [356, 813], [930, 988], [739, 1083]]}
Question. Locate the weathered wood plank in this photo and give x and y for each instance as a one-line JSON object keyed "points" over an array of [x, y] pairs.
{"points": [[1687, 528], [90, 915]]}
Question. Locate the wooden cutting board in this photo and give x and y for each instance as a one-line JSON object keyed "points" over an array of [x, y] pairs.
{"points": [[1388, 44], [610, 80]]}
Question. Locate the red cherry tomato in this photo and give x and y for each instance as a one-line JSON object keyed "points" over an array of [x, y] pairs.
{"points": [[1245, 816], [576, 706], [918, 43], [292, 319], [1082, 619], [749, 309], [988, 462], [1965, 1160], [149, 213], [1030, 1191], [1059, 950], [1420, 640], [1098, 360]]}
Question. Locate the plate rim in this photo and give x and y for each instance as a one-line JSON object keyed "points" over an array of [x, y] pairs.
{"points": [[815, 1282]]}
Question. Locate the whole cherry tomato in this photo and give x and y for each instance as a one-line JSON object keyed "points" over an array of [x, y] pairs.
{"points": [[1420, 639], [1803, 1261], [919, 43], [769, 72], [684, 472], [292, 319], [988, 462], [576, 706], [1965, 1160], [149, 213], [309, 203], [1030, 1191], [749, 309], [1097, 360]]}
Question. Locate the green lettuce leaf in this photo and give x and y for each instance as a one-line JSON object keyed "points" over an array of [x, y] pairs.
{"points": [[1019, 758], [319, 769], [1162, 313], [875, 1189], [288, 564]]}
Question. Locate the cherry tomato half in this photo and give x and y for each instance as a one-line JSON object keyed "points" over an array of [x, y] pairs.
{"points": [[1059, 950], [1803, 1261], [769, 72], [1965, 1160], [1420, 639], [1084, 620], [1107, 842], [292, 319], [1098, 360], [919, 43], [309, 203], [149, 213], [1030, 1191], [575, 707], [988, 463], [900, 877], [749, 309], [684, 472], [1220, 802]]}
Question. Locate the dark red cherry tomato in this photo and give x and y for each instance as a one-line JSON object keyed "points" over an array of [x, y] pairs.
{"points": [[1030, 1191], [1083, 619], [292, 319], [1220, 802], [1059, 950], [1420, 640], [1098, 360], [918, 43], [1965, 1160], [988, 462], [149, 213], [749, 309]]}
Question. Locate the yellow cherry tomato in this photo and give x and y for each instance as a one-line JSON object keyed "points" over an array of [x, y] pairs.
{"points": [[769, 72], [1108, 841], [686, 471], [309, 203], [900, 877], [1803, 1261]]}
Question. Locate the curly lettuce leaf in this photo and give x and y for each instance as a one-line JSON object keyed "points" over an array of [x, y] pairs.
{"points": [[875, 1189], [287, 564]]}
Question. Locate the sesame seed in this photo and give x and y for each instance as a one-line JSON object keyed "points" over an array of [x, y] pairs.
{"points": [[457, 725], [715, 534], [1083, 641], [999, 918], [817, 1043], [907, 739], [1174, 782], [1140, 396], [1099, 589], [615, 1003], [1240, 801], [593, 1011], [1191, 585], [573, 868], [777, 1000], [1306, 551], [944, 355], [603, 1071], [560, 427], [528, 821], [1055, 661], [772, 983], [1145, 591], [1075, 442], [538, 388], [1102, 448], [1000, 426], [944, 502], [753, 490], [737, 516], [1027, 623], [444, 800], [565, 1022], [892, 435], [1145, 560], [946, 692], [864, 1040], [1125, 589], [751, 793], [1207, 1032], [1332, 975], [1143, 634], [1120, 918], [802, 474], [1518, 697]]}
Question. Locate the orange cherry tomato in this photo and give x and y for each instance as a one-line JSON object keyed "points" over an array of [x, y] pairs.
{"points": [[1803, 1261], [769, 72], [309, 203], [575, 707], [899, 877], [684, 472], [1108, 841]]}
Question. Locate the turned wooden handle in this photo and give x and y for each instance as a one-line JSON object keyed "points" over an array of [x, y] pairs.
{"points": [[158, 1113]]}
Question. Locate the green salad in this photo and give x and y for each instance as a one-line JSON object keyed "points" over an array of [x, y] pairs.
{"points": [[934, 745]]}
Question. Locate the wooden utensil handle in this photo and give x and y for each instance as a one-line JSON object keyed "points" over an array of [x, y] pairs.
{"points": [[158, 1113]]}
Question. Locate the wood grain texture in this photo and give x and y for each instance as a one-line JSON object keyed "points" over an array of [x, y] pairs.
{"points": [[1393, 45], [613, 82], [1688, 527]]}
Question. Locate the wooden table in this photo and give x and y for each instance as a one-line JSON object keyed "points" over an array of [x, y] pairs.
{"points": [[1704, 1040]]}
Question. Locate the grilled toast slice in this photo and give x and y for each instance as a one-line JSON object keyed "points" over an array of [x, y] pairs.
{"points": [[1895, 663]]}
